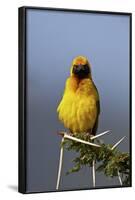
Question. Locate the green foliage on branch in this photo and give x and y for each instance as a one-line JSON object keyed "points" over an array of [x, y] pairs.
{"points": [[110, 162]]}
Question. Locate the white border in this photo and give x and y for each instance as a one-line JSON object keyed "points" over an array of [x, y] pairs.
{"points": [[9, 97]]}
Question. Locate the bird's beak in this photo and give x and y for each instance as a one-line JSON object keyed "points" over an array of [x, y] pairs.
{"points": [[81, 70], [77, 69]]}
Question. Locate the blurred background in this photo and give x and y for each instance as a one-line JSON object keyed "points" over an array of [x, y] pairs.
{"points": [[53, 40]]}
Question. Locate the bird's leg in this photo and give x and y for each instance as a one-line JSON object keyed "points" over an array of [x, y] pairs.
{"points": [[70, 132], [89, 132]]}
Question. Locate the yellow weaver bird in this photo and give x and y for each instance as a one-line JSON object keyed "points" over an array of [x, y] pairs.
{"points": [[79, 108]]}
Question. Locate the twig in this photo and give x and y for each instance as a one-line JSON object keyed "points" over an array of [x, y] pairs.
{"points": [[114, 146], [120, 180], [93, 173], [81, 141], [68, 136], [60, 165], [99, 135]]}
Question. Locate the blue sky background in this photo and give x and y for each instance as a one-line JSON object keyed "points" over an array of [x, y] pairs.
{"points": [[53, 40]]}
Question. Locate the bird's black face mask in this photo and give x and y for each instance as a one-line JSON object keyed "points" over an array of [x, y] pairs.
{"points": [[82, 71]]}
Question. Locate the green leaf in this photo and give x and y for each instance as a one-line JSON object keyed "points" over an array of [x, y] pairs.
{"points": [[109, 161]]}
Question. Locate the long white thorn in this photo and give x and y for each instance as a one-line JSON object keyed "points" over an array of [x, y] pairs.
{"points": [[99, 135], [60, 165], [120, 180], [114, 146], [94, 173], [81, 141]]}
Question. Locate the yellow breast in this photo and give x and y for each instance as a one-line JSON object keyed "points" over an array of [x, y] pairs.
{"points": [[77, 109]]}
